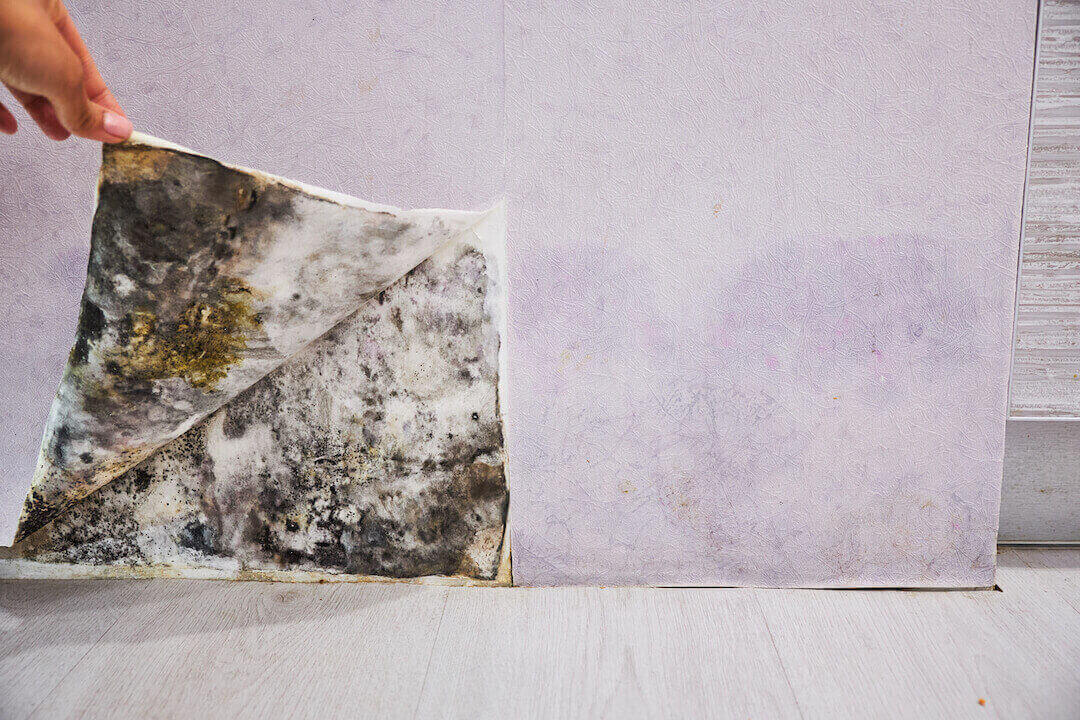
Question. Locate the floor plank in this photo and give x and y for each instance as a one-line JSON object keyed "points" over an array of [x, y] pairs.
{"points": [[886, 654], [1042, 574], [46, 627], [604, 653], [905, 654], [1025, 646], [239, 650], [176, 648]]}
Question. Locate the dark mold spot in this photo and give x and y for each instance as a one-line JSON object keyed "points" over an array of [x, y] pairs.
{"points": [[196, 536], [57, 444], [91, 325], [141, 478], [35, 514], [235, 424]]}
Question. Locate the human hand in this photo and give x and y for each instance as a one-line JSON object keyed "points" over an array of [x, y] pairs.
{"points": [[46, 66]]}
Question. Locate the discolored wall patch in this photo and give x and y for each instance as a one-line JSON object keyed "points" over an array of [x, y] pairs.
{"points": [[378, 450]]}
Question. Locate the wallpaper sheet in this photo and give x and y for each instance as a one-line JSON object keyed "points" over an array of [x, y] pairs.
{"points": [[761, 257], [347, 355], [762, 277]]}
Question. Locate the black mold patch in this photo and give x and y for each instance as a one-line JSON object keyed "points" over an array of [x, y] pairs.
{"points": [[166, 225], [336, 493], [91, 325], [196, 536]]}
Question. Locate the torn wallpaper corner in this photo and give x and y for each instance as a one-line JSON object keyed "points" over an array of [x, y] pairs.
{"points": [[269, 377]]}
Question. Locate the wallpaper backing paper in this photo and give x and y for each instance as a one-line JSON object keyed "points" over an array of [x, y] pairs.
{"points": [[761, 257]]}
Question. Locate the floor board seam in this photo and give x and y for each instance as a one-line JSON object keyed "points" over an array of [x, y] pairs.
{"points": [[779, 657], [45, 696], [431, 654]]}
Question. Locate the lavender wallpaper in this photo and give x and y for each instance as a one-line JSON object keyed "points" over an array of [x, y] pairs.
{"points": [[762, 266], [761, 257]]}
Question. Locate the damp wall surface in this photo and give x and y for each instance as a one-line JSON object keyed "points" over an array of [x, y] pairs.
{"points": [[761, 258], [390, 103], [764, 334]]}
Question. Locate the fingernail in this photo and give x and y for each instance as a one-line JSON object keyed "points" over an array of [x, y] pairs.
{"points": [[116, 125]]}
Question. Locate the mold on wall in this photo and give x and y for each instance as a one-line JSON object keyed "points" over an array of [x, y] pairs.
{"points": [[203, 278], [374, 450]]}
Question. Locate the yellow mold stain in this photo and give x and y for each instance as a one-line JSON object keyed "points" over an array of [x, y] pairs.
{"points": [[200, 346], [131, 163]]}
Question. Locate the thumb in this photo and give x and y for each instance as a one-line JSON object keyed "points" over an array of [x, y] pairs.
{"points": [[87, 119]]}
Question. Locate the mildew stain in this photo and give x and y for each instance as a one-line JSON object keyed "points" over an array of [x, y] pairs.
{"points": [[376, 451], [208, 337], [132, 163]]}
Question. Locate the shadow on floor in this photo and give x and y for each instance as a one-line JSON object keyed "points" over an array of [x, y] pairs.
{"points": [[36, 613]]}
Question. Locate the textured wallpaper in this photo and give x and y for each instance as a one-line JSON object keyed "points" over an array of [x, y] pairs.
{"points": [[761, 257], [762, 267]]}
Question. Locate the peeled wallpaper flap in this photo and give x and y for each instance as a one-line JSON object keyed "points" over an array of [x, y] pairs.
{"points": [[375, 451], [203, 278]]}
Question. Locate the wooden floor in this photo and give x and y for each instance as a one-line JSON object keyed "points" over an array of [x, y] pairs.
{"points": [[188, 648]]}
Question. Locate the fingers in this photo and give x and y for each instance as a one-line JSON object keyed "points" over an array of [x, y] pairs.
{"points": [[71, 112], [41, 112], [88, 119], [8, 126], [45, 64], [96, 89]]}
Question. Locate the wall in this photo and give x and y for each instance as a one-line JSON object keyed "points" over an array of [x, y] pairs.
{"points": [[696, 197]]}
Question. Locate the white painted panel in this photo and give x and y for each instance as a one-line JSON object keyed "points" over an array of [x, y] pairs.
{"points": [[1041, 491]]}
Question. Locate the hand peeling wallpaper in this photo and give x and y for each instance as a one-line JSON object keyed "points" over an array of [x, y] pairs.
{"points": [[374, 450], [761, 263]]}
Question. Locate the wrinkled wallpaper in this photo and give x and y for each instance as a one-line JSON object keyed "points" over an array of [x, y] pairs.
{"points": [[761, 276]]}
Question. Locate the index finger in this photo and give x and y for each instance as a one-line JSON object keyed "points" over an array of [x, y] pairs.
{"points": [[93, 82]]}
